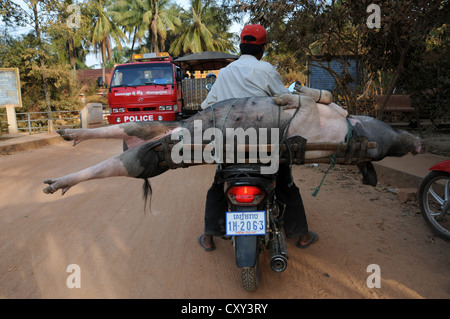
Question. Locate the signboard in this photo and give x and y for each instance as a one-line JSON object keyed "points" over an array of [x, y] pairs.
{"points": [[10, 96], [10, 88]]}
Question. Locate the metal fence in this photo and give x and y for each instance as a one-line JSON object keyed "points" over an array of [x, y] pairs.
{"points": [[37, 122]]}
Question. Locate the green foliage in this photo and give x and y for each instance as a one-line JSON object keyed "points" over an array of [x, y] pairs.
{"points": [[409, 53], [104, 28], [404, 53], [49, 55], [200, 30], [22, 53], [10, 12]]}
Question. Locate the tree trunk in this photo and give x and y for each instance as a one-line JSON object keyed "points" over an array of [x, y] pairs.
{"points": [[103, 61], [41, 61], [396, 77], [72, 56], [134, 40], [154, 30]]}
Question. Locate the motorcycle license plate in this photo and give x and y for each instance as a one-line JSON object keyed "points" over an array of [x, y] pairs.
{"points": [[246, 223]]}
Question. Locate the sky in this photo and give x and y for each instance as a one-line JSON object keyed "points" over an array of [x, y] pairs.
{"points": [[91, 58]]}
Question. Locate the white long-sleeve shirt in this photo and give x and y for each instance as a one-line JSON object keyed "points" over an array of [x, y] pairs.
{"points": [[245, 77]]}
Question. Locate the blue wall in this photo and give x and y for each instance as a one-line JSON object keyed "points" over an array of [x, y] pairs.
{"points": [[319, 78]]}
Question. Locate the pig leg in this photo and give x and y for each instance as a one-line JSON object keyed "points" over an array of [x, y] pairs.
{"points": [[108, 168], [133, 133], [369, 174], [79, 135], [320, 96], [138, 162]]}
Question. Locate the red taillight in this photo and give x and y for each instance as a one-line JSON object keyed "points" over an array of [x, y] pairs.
{"points": [[245, 195]]}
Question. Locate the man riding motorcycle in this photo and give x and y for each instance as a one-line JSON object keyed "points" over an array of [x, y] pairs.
{"points": [[245, 77]]}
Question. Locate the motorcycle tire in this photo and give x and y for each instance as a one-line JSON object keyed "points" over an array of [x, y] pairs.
{"points": [[434, 197], [250, 277]]}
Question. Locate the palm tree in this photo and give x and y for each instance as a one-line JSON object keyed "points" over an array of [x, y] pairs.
{"points": [[105, 27], [201, 31], [152, 17], [130, 19], [159, 18]]}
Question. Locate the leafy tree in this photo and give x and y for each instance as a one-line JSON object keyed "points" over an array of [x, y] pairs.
{"points": [[45, 78], [339, 28], [400, 43], [154, 18], [430, 89], [131, 19], [14, 53], [40, 12], [104, 29], [201, 30], [159, 19], [10, 12], [318, 31], [118, 57], [69, 40], [22, 52]]}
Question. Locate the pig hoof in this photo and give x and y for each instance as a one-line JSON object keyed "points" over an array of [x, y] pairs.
{"points": [[49, 189], [64, 134], [69, 135], [370, 179], [278, 101], [369, 174], [53, 187]]}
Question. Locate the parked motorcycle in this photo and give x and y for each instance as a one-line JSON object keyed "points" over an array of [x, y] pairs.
{"points": [[253, 220], [434, 199]]}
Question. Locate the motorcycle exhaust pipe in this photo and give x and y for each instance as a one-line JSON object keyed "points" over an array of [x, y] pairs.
{"points": [[278, 253]]}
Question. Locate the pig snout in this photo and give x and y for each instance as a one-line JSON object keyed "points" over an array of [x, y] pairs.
{"points": [[418, 147], [411, 142]]}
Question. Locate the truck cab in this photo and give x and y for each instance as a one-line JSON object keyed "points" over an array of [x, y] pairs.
{"points": [[152, 86], [147, 89]]}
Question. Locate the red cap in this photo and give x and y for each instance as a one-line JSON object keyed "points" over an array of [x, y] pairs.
{"points": [[255, 30]]}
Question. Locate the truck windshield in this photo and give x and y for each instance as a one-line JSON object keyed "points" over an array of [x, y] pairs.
{"points": [[142, 74]]}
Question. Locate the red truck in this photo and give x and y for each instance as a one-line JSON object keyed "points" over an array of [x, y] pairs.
{"points": [[153, 87]]}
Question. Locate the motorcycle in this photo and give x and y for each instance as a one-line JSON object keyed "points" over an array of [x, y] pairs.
{"points": [[253, 220], [255, 217], [434, 199]]}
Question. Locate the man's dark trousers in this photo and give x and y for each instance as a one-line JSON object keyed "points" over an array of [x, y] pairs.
{"points": [[286, 191]]}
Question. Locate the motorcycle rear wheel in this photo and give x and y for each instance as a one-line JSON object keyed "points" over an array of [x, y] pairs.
{"points": [[434, 198], [250, 277]]}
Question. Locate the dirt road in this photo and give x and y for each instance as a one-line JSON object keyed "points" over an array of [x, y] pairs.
{"points": [[124, 252]]}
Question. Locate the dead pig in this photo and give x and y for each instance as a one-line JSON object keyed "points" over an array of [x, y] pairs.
{"points": [[298, 115]]}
